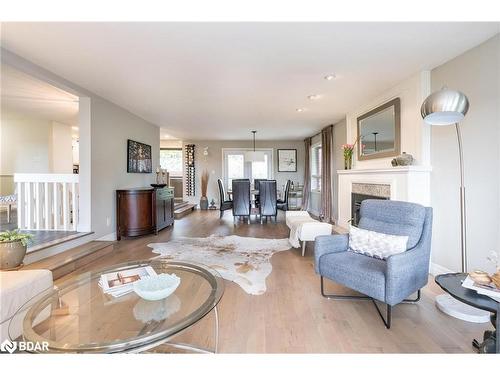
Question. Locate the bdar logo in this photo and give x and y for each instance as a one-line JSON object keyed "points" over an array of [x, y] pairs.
{"points": [[8, 346]]}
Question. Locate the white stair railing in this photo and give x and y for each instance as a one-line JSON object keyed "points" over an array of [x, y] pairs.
{"points": [[47, 201]]}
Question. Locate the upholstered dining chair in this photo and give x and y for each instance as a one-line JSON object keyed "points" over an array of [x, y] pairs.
{"points": [[224, 204], [256, 186], [241, 199], [390, 281], [268, 201], [283, 203]]}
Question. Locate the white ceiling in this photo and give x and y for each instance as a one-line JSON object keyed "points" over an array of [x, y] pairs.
{"points": [[220, 80], [26, 95]]}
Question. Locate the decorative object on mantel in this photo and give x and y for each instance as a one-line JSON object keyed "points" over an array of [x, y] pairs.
{"points": [[190, 170], [449, 107], [204, 187], [348, 150], [13, 247], [402, 160]]}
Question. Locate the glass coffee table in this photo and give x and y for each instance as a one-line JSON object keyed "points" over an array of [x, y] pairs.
{"points": [[78, 317]]}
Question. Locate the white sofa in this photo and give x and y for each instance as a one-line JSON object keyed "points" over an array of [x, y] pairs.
{"points": [[304, 228], [17, 288]]}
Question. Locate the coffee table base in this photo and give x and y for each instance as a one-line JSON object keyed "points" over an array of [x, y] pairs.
{"points": [[184, 346]]}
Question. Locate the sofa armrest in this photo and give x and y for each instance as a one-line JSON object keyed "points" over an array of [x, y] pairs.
{"points": [[329, 244]]}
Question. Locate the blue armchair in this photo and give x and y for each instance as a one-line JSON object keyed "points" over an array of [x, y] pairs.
{"points": [[389, 281]]}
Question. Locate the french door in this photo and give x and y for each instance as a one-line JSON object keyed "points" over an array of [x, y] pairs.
{"points": [[236, 164]]}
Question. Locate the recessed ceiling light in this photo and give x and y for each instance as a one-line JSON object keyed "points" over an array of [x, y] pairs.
{"points": [[75, 128], [313, 97], [300, 109], [329, 77]]}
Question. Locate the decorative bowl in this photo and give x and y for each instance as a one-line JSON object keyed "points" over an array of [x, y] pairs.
{"points": [[158, 185], [153, 288]]}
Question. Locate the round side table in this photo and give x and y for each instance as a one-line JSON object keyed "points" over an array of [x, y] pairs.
{"points": [[452, 284]]}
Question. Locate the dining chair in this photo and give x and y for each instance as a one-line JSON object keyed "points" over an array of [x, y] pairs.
{"points": [[224, 204], [256, 185], [268, 199], [241, 199], [283, 203]]}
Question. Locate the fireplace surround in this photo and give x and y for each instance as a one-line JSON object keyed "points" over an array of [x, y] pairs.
{"points": [[409, 184]]}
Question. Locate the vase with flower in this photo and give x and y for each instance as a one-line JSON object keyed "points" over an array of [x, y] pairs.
{"points": [[348, 150]]}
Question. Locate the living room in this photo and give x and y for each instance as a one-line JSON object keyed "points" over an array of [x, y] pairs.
{"points": [[237, 187]]}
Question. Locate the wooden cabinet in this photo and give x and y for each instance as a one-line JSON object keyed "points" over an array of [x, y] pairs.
{"points": [[164, 207], [141, 211]]}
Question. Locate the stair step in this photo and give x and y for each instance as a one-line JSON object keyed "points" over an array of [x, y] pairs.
{"points": [[70, 260], [180, 205], [184, 210]]}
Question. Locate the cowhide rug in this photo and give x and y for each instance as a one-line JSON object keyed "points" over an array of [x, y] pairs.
{"points": [[244, 260]]}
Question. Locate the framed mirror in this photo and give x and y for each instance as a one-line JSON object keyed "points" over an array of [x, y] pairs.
{"points": [[379, 131]]}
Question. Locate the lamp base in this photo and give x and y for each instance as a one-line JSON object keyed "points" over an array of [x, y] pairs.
{"points": [[453, 307]]}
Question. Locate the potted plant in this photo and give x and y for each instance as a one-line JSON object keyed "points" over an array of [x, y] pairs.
{"points": [[204, 187], [13, 246]]}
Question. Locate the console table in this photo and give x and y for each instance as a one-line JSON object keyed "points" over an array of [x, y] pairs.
{"points": [[141, 211]]}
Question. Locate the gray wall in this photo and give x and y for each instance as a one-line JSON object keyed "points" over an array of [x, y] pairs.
{"points": [[111, 126], [213, 162], [103, 147], [476, 73]]}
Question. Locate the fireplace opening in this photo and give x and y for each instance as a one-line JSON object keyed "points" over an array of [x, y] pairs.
{"points": [[356, 200]]}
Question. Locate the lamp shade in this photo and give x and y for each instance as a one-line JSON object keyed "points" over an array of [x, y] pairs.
{"points": [[256, 156], [444, 107]]}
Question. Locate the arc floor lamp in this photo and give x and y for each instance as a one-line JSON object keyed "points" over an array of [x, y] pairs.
{"points": [[441, 108]]}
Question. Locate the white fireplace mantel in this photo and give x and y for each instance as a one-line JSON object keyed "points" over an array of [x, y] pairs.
{"points": [[410, 184]]}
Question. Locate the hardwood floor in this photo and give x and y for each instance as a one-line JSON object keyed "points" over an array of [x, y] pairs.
{"points": [[292, 317]]}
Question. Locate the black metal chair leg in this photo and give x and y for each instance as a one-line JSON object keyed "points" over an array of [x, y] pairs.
{"points": [[387, 319], [340, 296], [413, 300]]}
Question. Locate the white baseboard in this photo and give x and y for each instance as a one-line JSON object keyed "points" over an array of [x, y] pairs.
{"points": [[107, 237], [436, 269]]}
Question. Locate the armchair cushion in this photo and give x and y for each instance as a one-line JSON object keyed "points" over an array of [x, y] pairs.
{"points": [[359, 272], [393, 217]]}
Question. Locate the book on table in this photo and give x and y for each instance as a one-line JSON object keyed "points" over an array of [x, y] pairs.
{"points": [[489, 290], [120, 283]]}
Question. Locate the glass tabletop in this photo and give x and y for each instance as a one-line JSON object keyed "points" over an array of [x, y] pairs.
{"points": [[79, 317], [452, 283]]}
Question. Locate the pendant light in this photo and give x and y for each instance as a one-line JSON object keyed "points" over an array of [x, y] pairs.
{"points": [[254, 155]]}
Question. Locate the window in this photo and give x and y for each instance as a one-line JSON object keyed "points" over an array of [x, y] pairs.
{"points": [[171, 160], [236, 166], [316, 167]]}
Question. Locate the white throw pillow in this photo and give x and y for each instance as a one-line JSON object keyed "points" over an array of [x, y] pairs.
{"points": [[375, 244]]}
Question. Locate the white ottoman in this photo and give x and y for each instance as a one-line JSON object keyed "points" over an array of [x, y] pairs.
{"points": [[17, 288], [304, 228]]}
